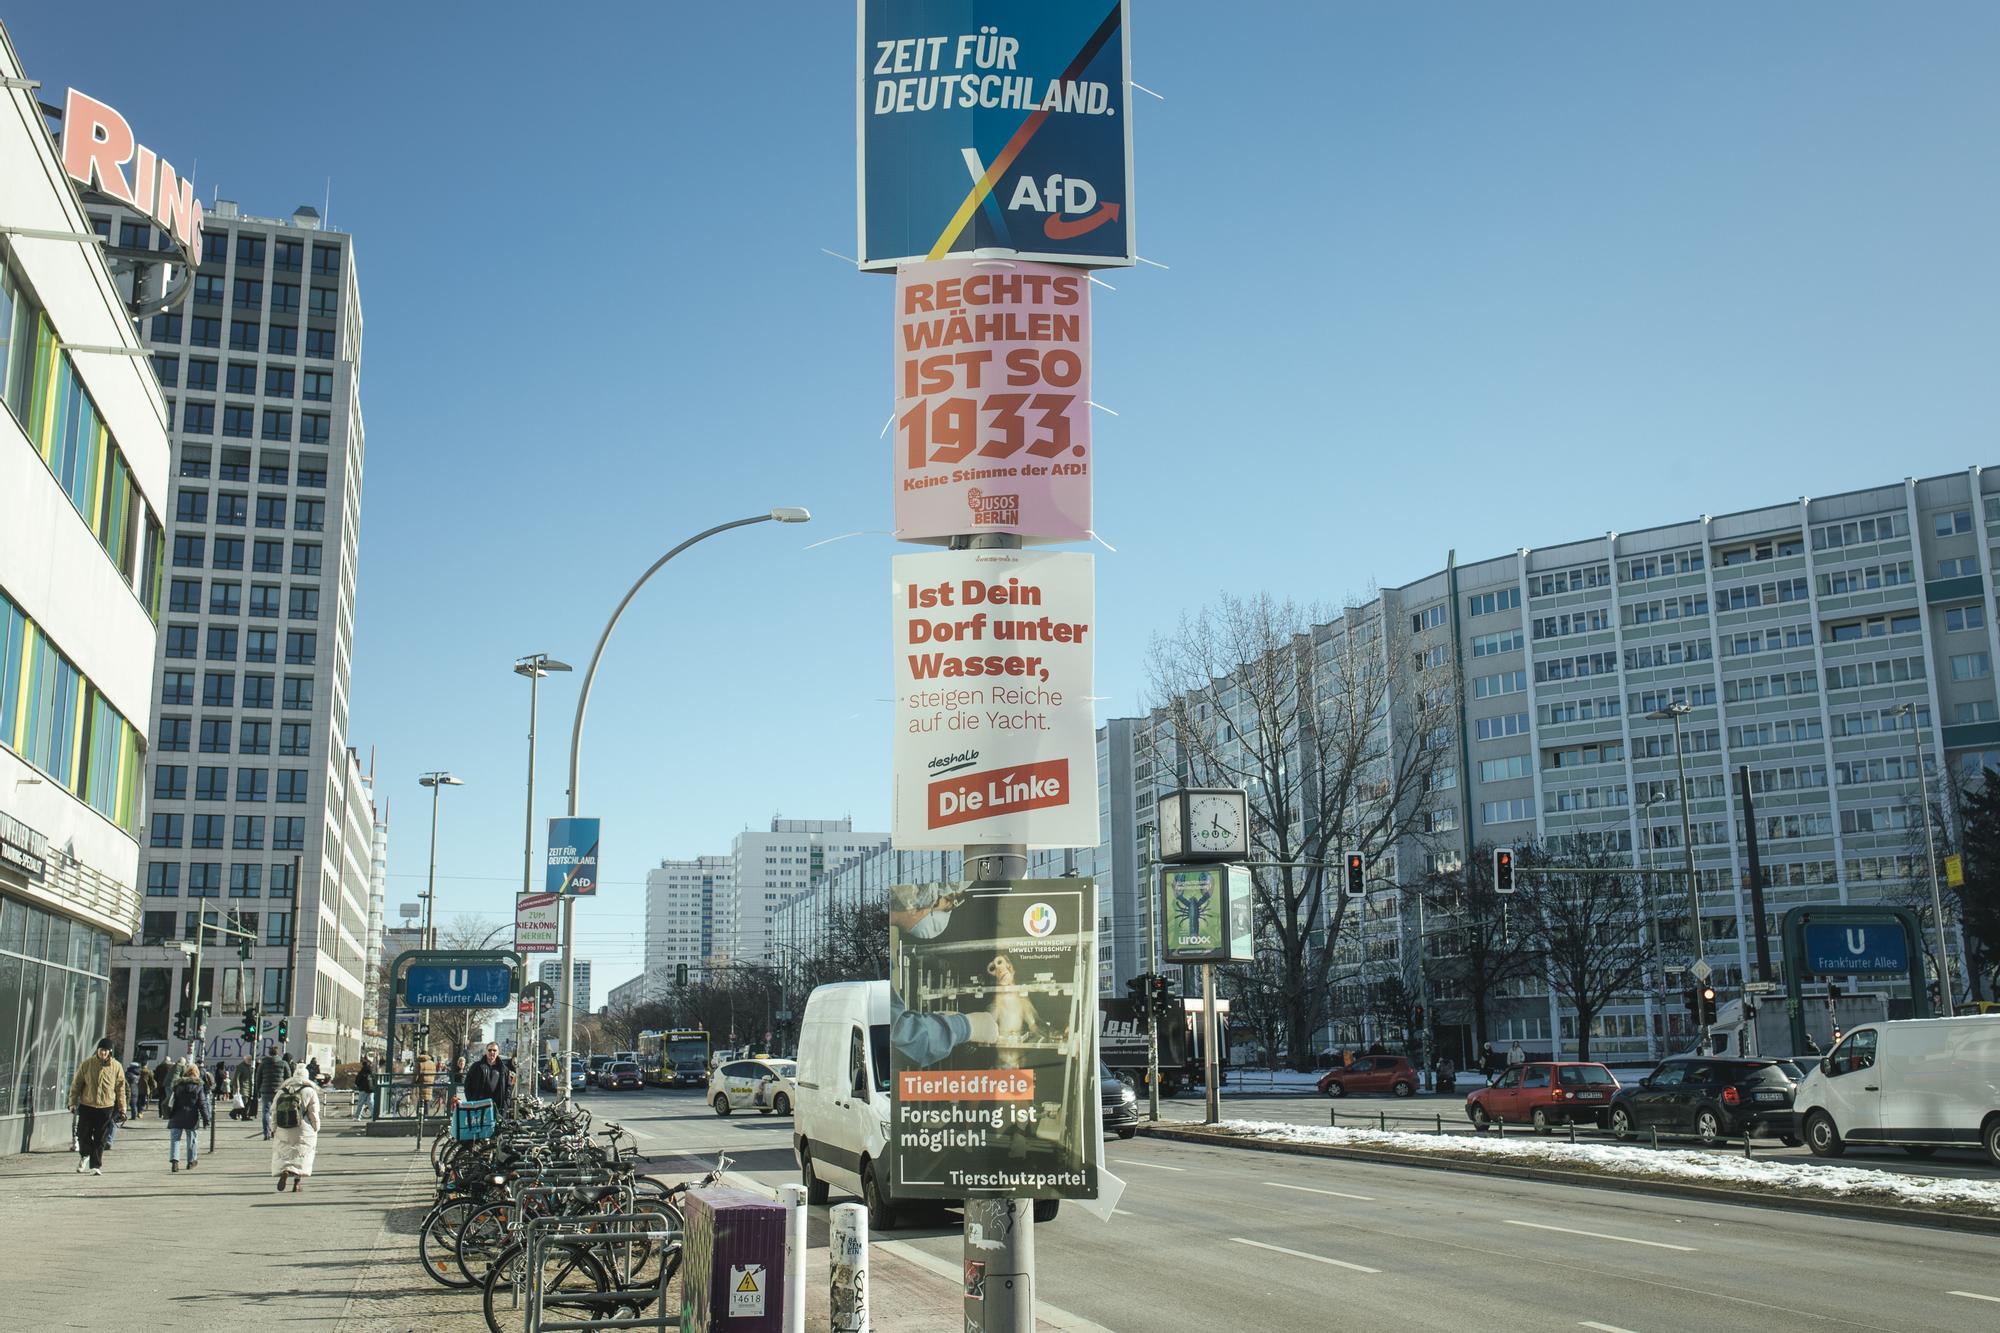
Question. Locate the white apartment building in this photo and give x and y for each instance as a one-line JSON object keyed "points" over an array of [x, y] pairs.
{"points": [[690, 915], [551, 975], [258, 805], [776, 865], [83, 491]]}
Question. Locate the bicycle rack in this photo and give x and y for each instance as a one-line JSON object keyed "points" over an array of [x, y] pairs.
{"points": [[622, 1230]]}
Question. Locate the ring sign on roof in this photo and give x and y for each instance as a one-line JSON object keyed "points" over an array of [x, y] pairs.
{"points": [[994, 125]]}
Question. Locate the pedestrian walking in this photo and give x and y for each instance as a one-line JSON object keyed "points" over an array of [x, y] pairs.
{"points": [[489, 1080], [244, 1074], [295, 1120], [1489, 1061], [424, 1072], [1515, 1055], [312, 1070], [271, 1075], [364, 1089], [137, 1084], [96, 1097], [457, 1083], [188, 1111]]}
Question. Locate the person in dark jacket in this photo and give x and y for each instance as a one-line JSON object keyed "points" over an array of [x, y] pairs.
{"points": [[271, 1071], [364, 1089], [188, 1111], [489, 1080], [163, 1076], [312, 1069]]}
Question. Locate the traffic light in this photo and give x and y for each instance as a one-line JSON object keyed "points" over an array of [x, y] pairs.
{"points": [[1417, 1018], [1832, 991], [1707, 998], [1692, 1003], [181, 1026], [1163, 1002], [1503, 870], [250, 1024], [680, 974], [1357, 876], [284, 1027]]}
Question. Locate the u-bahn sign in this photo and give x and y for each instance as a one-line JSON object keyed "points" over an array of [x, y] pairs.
{"points": [[1856, 948], [457, 986]]}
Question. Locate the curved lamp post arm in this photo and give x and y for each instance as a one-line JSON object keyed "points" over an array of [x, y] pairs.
{"points": [[590, 672]]}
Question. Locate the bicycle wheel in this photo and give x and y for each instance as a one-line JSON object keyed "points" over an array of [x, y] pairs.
{"points": [[486, 1232], [437, 1242], [439, 1147], [637, 1263], [567, 1269]]}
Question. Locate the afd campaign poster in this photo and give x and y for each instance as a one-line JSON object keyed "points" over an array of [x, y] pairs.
{"points": [[995, 739], [993, 1040], [572, 857], [992, 401], [994, 125]]}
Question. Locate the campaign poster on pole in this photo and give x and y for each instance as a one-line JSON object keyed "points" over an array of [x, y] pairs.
{"points": [[992, 423], [572, 856], [994, 125], [994, 740], [1208, 917], [537, 922], [993, 1040]]}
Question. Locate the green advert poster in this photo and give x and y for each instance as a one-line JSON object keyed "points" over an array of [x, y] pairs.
{"points": [[993, 1040], [1206, 915]]}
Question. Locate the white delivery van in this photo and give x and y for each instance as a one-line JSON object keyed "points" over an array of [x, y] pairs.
{"points": [[840, 1125], [1919, 1084]]}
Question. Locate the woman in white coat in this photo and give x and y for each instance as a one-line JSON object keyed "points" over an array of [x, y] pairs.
{"points": [[294, 1129]]}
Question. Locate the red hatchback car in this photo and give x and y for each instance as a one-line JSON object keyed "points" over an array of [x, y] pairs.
{"points": [[1545, 1094], [1371, 1073]]}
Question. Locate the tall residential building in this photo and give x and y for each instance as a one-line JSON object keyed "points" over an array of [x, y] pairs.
{"points": [[83, 486], [772, 867], [551, 975], [257, 805], [690, 914], [1793, 633]]}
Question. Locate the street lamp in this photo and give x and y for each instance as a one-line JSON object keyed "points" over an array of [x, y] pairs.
{"points": [[782, 514], [435, 781], [534, 666], [1678, 710], [1930, 859]]}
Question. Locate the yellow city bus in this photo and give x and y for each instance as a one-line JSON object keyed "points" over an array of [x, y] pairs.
{"points": [[674, 1059]]}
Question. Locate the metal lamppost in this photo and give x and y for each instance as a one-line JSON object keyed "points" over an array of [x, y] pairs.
{"points": [[1930, 859], [534, 666], [436, 782], [1678, 710], [1646, 890], [778, 515]]}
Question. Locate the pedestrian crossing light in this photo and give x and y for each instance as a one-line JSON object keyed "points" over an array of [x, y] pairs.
{"points": [[1503, 870], [1692, 1003], [250, 1024], [180, 1026], [1357, 876]]}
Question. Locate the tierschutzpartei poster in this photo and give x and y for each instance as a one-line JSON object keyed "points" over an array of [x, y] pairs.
{"points": [[993, 1040]]}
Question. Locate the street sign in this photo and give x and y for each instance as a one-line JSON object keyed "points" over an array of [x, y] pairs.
{"points": [[1954, 871], [458, 986], [1760, 988], [1862, 948], [1701, 969], [405, 1017]]}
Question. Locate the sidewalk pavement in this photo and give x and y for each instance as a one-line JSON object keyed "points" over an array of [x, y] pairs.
{"points": [[218, 1248]]}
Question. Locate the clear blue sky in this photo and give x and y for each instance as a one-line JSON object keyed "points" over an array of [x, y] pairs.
{"points": [[1471, 276]]}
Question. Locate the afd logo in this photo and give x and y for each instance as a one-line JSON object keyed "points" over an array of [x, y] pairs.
{"points": [[1069, 203]]}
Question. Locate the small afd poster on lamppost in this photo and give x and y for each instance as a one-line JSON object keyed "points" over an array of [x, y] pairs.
{"points": [[994, 734], [993, 1040]]}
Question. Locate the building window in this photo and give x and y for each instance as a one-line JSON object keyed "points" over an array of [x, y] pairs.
{"points": [[268, 557], [250, 249], [215, 735], [166, 328], [257, 691], [218, 689], [309, 515], [243, 377], [238, 420], [171, 735], [325, 302], [191, 506], [284, 340], [205, 832], [1952, 522], [260, 645], [211, 784], [179, 640], [291, 786], [1965, 617], [1971, 666], [170, 782], [315, 428], [253, 738], [326, 261], [166, 369], [221, 643], [246, 881], [288, 834], [277, 424], [319, 386], [1486, 603], [177, 687], [284, 298], [295, 739], [264, 600], [298, 693], [198, 418], [201, 375], [278, 381], [249, 294], [232, 509], [184, 595], [319, 344], [273, 470], [204, 331], [243, 335], [189, 550], [167, 830], [228, 553], [305, 558], [204, 879], [214, 247], [305, 603], [225, 597], [163, 880], [301, 647], [288, 256]]}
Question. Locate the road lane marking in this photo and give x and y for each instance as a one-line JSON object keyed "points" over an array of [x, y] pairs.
{"points": [[1599, 1235], [1974, 1296], [1308, 1189], [1301, 1254], [954, 1272], [1121, 1212], [1121, 1161], [1603, 1328]]}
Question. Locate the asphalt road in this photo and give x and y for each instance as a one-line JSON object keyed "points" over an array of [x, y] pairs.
{"points": [[1211, 1238], [1425, 1111]]}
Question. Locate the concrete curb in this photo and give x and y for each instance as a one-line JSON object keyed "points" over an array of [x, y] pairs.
{"points": [[1873, 1212]]}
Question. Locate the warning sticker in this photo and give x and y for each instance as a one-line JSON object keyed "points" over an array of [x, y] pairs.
{"points": [[746, 1290]]}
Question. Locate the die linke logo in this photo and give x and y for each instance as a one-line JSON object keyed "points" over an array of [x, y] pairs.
{"points": [[972, 796], [992, 510]]}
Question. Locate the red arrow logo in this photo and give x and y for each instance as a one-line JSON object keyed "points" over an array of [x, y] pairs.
{"points": [[1062, 229]]}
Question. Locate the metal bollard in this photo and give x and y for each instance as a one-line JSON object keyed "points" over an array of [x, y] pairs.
{"points": [[1333, 1120], [1572, 1131], [1656, 1136], [847, 1264], [1440, 1123], [1746, 1143], [1382, 1121], [794, 1198]]}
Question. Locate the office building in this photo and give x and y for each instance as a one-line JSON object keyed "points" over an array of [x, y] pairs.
{"points": [[551, 975], [1821, 643], [773, 866], [690, 916], [259, 807], [83, 491]]}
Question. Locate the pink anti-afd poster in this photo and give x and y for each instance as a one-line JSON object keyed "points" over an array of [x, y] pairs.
{"points": [[992, 424]]}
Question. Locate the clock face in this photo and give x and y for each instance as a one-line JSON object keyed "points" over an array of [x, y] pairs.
{"points": [[1171, 842], [1215, 823]]}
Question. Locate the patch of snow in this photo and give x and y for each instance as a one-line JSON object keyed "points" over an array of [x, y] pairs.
{"points": [[1695, 1167]]}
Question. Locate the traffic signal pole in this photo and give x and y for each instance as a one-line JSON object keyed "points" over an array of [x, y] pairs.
{"points": [[1152, 970]]}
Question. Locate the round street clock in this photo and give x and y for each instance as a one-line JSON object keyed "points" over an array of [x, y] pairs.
{"points": [[1204, 824]]}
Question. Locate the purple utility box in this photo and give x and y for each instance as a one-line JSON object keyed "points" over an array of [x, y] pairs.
{"points": [[732, 1263]]}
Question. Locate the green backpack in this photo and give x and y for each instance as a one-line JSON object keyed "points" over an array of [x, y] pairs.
{"points": [[285, 1111]]}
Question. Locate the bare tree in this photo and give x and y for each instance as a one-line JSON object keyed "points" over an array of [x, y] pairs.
{"points": [[1336, 729], [1474, 951], [855, 946], [453, 1029], [1581, 912]]}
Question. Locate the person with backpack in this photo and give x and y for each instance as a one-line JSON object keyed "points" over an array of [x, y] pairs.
{"points": [[295, 1126], [187, 1109]]}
